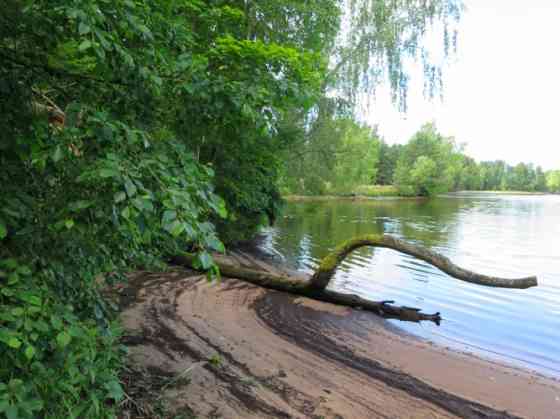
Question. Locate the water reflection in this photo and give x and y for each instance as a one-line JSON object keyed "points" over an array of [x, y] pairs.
{"points": [[497, 235]]}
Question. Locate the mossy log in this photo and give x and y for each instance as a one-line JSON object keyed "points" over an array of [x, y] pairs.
{"points": [[316, 286], [322, 276]]}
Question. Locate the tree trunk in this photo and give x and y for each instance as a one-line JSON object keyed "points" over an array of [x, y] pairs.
{"points": [[327, 268], [316, 286]]}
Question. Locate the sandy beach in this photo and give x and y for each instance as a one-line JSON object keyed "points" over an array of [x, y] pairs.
{"points": [[256, 353]]}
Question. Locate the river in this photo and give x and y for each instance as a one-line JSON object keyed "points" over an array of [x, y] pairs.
{"points": [[510, 236]]}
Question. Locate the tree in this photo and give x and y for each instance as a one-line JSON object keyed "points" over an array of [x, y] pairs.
{"points": [[553, 181], [425, 164], [388, 157], [356, 158], [540, 180]]}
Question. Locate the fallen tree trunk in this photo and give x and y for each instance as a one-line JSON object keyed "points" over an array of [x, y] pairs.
{"points": [[321, 278], [316, 286]]}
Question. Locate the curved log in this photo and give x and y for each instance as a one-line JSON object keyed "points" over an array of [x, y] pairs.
{"points": [[322, 276], [315, 286], [302, 286]]}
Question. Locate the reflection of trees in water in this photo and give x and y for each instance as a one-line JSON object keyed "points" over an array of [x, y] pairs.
{"points": [[309, 230]]}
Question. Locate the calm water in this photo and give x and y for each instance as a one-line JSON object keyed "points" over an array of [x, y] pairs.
{"points": [[509, 236]]}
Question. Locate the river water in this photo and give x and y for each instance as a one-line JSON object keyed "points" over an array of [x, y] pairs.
{"points": [[510, 236]]}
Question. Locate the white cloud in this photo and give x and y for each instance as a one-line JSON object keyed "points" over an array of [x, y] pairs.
{"points": [[502, 91]]}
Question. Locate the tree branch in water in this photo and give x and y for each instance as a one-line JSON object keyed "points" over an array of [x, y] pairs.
{"points": [[316, 286]]}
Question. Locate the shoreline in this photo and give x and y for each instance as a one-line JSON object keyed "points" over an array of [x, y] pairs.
{"points": [[285, 356], [306, 198], [254, 248], [359, 197]]}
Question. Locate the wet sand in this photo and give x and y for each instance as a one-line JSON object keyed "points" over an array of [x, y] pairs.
{"points": [[257, 353]]}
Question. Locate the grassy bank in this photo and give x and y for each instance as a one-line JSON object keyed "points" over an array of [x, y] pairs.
{"points": [[497, 193], [359, 192], [364, 192]]}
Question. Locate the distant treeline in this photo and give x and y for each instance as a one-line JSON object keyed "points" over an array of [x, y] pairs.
{"points": [[348, 156]]}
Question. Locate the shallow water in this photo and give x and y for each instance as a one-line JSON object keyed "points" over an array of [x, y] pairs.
{"points": [[510, 236]]}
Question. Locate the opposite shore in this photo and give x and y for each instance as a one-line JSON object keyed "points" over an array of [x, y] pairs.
{"points": [[393, 195]]}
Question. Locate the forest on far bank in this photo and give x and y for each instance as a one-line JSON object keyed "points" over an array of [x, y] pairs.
{"points": [[343, 157]]}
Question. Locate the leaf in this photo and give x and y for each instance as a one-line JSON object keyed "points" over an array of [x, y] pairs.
{"points": [[126, 213], [57, 154], [98, 311], [85, 45], [69, 223], [29, 352], [33, 405], [63, 339], [115, 390], [214, 244], [9, 263], [120, 196], [24, 270], [14, 343], [83, 28], [130, 188], [204, 260], [11, 412], [143, 204], [18, 311], [105, 173], [30, 298], [175, 228], [56, 322], [3, 231], [79, 205], [168, 216], [13, 278]]}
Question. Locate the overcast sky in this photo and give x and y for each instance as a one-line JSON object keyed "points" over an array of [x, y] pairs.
{"points": [[502, 89]]}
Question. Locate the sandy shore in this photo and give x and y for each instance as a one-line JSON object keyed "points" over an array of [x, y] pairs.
{"points": [[255, 353]]}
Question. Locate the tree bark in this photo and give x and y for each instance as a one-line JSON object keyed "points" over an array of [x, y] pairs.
{"points": [[321, 278], [316, 286]]}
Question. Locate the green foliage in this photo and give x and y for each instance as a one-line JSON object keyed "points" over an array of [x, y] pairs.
{"points": [[54, 361], [499, 176], [356, 158], [388, 156], [375, 190], [553, 181], [337, 156], [111, 188], [382, 35], [425, 166]]}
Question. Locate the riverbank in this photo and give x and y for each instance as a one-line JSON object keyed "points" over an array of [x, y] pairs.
{"points": [[359, 193], [501, 193], [395, 196], [315, 198], [233, 350]]}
